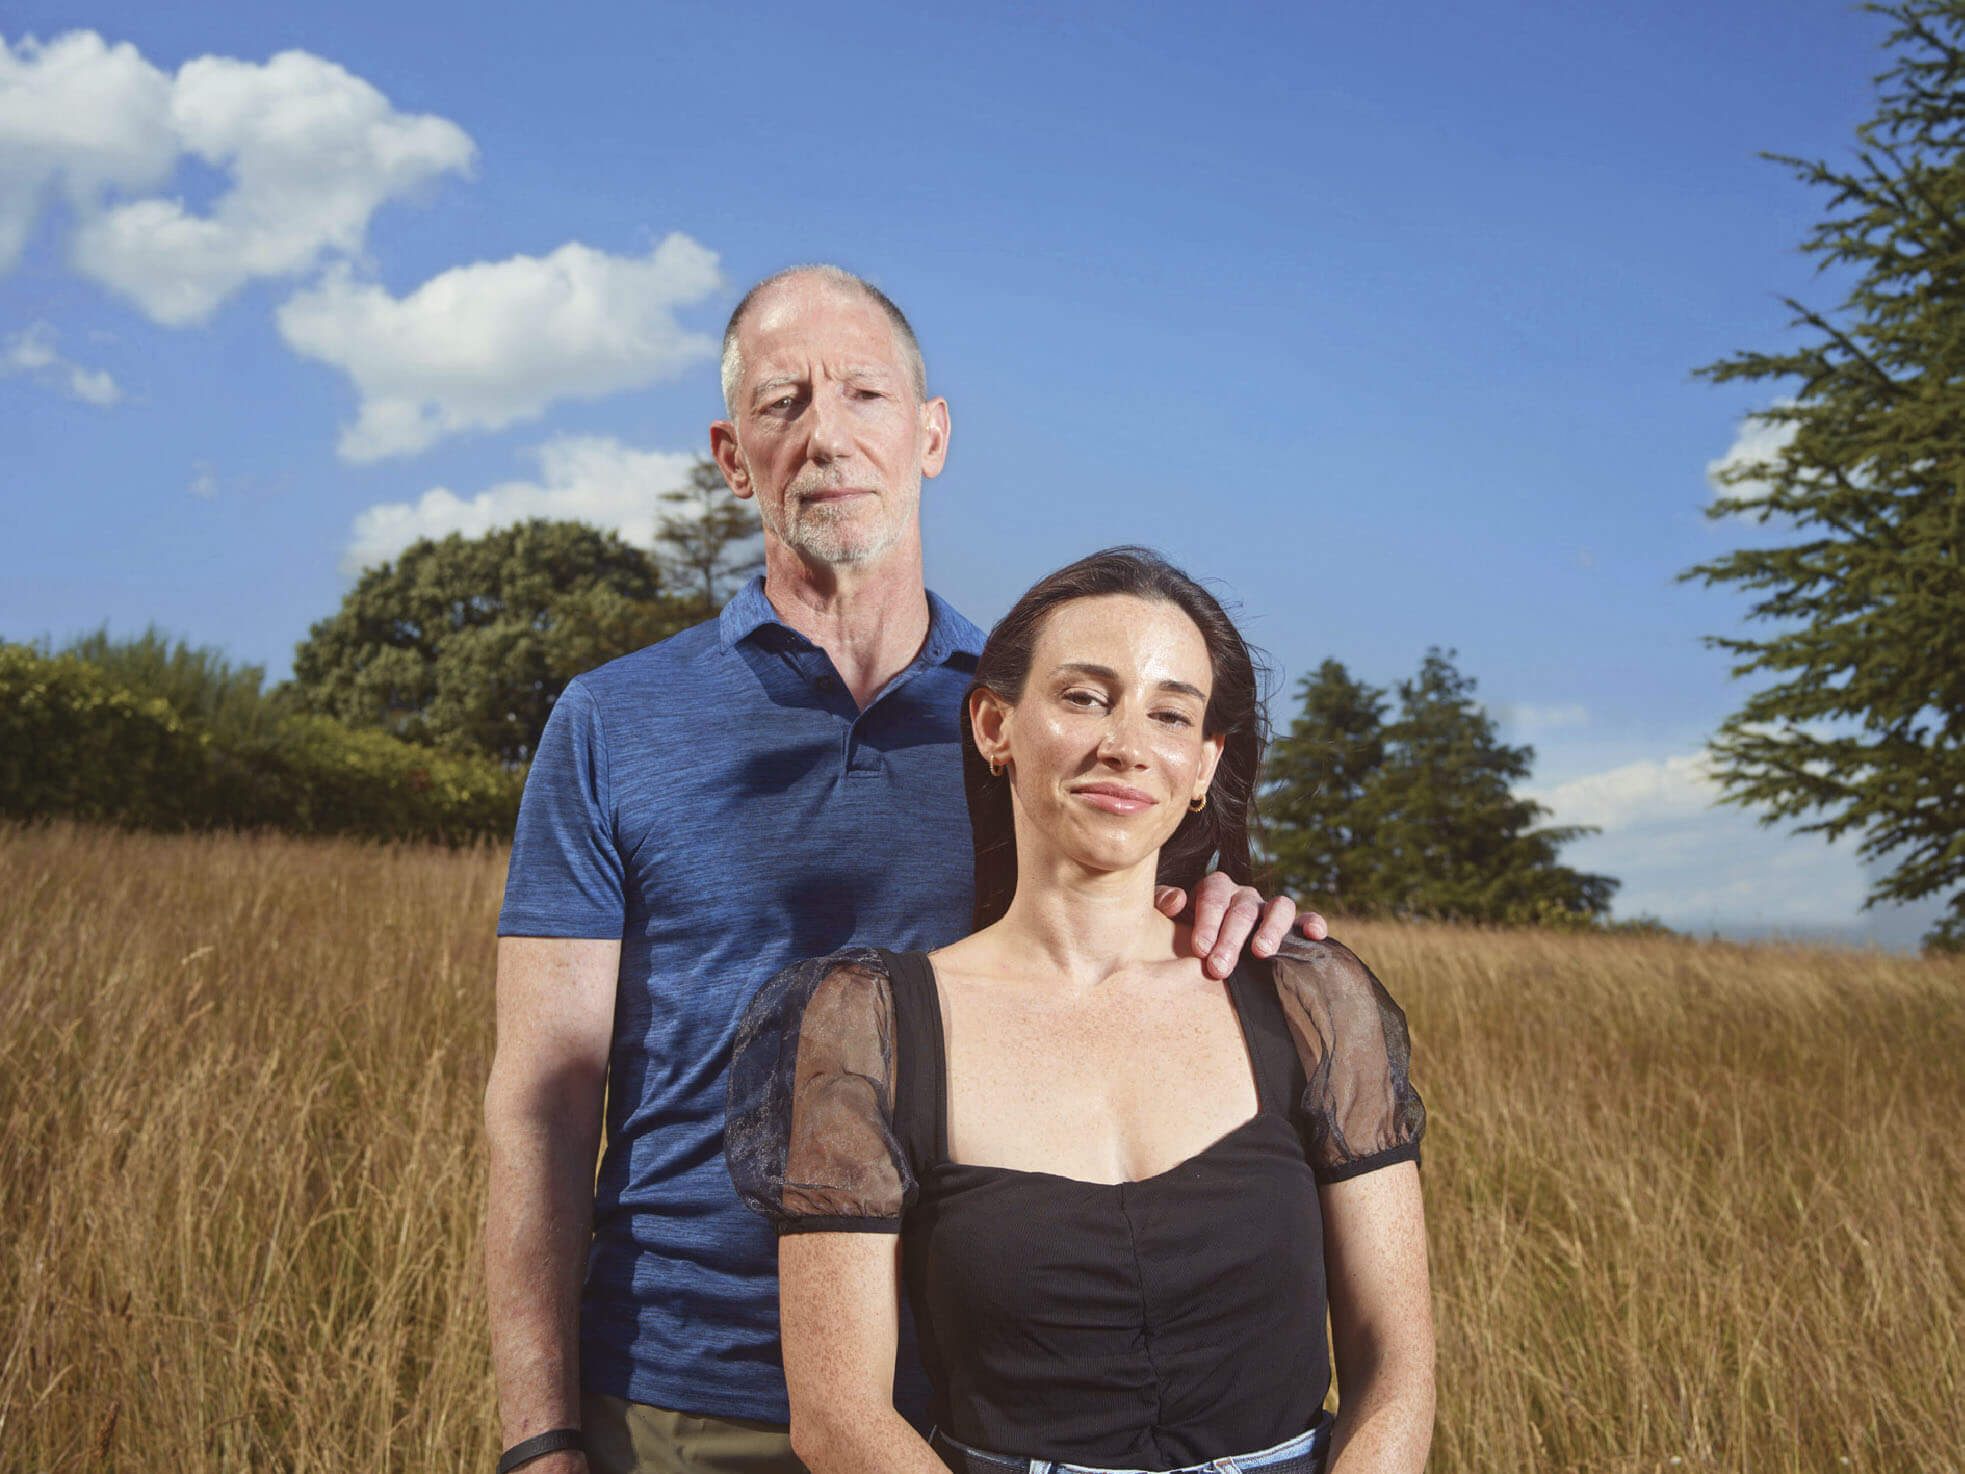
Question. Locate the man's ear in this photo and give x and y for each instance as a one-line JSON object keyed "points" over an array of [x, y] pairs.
{"points": [[989, 724], [729, 459], [934, 436]]}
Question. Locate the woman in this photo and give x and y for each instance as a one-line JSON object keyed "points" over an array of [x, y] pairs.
{"points": [[1116, 1191]]}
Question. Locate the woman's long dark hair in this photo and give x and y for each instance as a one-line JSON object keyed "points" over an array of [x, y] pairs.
{"points": [[1220, 832]]}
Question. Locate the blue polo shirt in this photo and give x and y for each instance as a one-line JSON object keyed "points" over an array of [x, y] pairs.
{"points": [[719, 803]]}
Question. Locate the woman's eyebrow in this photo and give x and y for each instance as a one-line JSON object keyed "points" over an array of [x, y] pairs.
{"points": [[1107, 673], [1182, 688], [1096, 672]]}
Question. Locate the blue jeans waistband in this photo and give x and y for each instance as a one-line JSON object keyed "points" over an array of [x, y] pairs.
{"points": [[1303, 1454]]}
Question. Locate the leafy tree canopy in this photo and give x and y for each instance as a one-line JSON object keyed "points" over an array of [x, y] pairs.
{"points": [[1861, 725], [199, 682], [705, 538], [466, 643], [1416, 815]]}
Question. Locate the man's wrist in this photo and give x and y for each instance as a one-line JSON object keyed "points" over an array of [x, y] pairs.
{"points": [[529, 1452]]}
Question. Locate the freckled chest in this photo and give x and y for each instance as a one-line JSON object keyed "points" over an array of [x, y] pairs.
{"points": [[1134, 1076]]}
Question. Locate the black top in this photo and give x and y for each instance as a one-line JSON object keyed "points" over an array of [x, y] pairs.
{"points": [[1147, 1324]]}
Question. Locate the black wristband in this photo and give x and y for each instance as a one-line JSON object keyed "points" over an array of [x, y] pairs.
{"points": [[538, 1446]]}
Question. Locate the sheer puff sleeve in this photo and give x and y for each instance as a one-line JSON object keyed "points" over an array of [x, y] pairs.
{"points": [[809, 1137], [1359, 1111]]}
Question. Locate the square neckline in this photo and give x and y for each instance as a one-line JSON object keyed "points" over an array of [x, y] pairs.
{"points": [[938, 1042]]}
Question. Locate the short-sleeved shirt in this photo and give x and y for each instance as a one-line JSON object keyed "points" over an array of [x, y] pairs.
{"points": [[1154, 1324], [719, 803]]}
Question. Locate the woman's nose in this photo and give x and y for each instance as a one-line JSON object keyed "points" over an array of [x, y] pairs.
{"points": [[1121, 742]]}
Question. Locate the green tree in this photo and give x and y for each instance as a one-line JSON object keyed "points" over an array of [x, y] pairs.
{"points": [[199, 682], [76, 742], [1418, 815], [466, 643], [1863, 723], [706, 542], [1313, 813]]}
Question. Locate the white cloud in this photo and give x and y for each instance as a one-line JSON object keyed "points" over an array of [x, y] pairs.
{"points": [[32, 349], [1635, 794], [310, 153], [32, 352], [1527, 716], [79, 115], [582, 478], [93, 386], [1700, 865], [1756, 443], [493, 343], [204, 481]]}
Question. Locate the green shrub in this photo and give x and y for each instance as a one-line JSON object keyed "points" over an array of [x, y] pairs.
{"points": [[202, 685], [311, 775], [76, 744]]}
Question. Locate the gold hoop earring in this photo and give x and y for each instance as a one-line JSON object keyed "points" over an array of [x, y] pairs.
{"points": [[995, 770], [1198, 804]]}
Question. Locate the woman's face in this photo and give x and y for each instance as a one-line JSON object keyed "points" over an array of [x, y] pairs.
{"points": [[1105, 746]]}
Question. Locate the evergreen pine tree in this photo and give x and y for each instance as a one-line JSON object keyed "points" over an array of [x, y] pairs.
{"points": [[1416, 816], [704, 546], [1863, 724], [1314, 781], [1449, 835]]}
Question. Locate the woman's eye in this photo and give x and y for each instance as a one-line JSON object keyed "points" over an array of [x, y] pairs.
{"points": [[1083, 698], [1175, 718]]}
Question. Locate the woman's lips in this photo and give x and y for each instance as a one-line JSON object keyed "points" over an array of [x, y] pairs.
{"points": [[1116, 798]]}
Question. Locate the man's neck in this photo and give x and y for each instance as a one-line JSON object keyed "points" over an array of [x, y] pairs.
{"points": [[871, 618]]}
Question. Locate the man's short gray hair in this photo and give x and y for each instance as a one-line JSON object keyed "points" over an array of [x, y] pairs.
{"points": [[838, 276]]}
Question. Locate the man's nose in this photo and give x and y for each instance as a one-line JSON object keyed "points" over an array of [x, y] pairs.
{"points": [[829, 438]]}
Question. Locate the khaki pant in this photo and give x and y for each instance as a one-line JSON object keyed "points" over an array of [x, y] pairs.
{"points": [[625, 1437]]}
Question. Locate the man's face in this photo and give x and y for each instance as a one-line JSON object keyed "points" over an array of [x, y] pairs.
{"points": [[826, 432]]}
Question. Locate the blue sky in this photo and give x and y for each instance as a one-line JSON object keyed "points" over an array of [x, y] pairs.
{"points": [[1383, 317]]}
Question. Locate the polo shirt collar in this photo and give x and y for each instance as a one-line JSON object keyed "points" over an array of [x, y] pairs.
{"points": [[747, 612], [949, 634]]}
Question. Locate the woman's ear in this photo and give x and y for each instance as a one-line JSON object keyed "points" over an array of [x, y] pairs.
{"points": [[989, 723], [1211, 750]]}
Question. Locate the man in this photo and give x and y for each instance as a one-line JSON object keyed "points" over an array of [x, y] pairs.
{"points": [[775, 784]]}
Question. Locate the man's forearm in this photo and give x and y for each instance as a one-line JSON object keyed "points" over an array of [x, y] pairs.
{"points": [[538, 1223]]}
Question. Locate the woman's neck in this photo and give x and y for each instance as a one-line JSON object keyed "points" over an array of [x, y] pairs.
{"points": [[1085, 926]]}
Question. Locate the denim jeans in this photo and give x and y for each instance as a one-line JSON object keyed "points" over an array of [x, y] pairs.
{"points": [[1303, 1454]]}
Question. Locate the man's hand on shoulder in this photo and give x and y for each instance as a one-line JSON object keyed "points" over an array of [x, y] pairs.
{"points": [[1228, 916]]}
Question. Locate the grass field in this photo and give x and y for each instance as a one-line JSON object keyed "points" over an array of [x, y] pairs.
{"points": [[1694, 1206]]}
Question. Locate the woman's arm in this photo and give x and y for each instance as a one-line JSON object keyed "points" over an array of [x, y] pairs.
{"points": [[839, 1300], [1381, 1314]]}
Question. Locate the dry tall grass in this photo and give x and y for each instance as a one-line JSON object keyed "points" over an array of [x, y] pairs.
{"points": [[1693, 1206]]}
